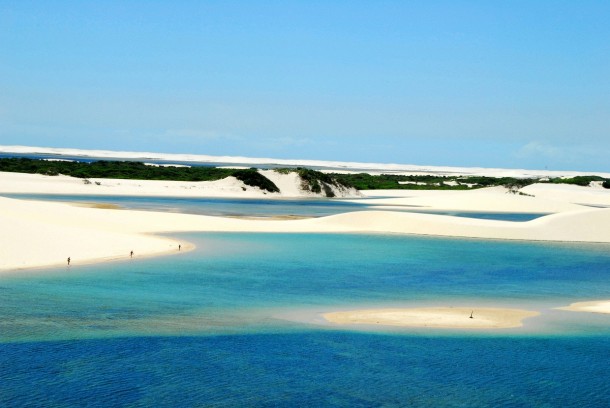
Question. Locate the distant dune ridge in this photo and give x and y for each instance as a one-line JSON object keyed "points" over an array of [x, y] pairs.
{"points": [[373, 168], [290, 185]]}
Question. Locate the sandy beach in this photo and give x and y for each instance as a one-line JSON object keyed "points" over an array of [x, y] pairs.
{"points": [[434, 317], [596, 306], [38, 233]]}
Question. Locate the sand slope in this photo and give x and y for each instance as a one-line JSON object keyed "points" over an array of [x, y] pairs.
{"points": [[289, 185], [537, 198]]}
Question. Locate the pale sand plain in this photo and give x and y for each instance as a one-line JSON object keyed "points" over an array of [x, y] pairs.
{"points": [[596, 306], [434, 317], [38, 233]]}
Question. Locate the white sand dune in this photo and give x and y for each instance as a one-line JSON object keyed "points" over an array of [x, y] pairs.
{"points": [[37, 233], [434, 317], [587, 196], [539, 198], [289, 185], [40, 184]]}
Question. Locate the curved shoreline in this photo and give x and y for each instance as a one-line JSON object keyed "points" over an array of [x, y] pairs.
{"points": [[40, 233], [124, 257]]}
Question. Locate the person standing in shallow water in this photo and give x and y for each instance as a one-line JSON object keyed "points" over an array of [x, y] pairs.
{"points": [[68, 261], [131, 254]]}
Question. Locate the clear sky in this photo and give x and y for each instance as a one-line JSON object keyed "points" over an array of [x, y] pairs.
{"points": [[517, 84]]}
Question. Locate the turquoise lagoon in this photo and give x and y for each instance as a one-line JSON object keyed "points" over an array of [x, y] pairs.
{"points": [[236, 322], [254, 207]]}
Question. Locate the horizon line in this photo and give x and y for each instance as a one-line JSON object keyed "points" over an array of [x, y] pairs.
{"points": [[343, 165]]}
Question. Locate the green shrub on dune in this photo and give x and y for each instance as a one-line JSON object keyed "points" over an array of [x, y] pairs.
{"points": [[314, 181], [252, 177]]}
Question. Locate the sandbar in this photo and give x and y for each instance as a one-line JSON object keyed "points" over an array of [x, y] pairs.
{"points": [[596, 306], [434, 317]]}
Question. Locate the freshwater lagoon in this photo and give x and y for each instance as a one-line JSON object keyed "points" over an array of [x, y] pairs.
{"points": [[252, 207], [236, 322]]}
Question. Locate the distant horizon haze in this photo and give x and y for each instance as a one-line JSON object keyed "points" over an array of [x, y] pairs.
{"points": [[164, 157]]}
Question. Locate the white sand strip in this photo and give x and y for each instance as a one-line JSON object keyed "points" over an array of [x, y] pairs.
{"points": [[596, 306], [36, 233], [541, 198], [434, 317], [22, 183]]}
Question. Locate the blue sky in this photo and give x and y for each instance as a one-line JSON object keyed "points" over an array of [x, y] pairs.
{"points": [[462, 83]]}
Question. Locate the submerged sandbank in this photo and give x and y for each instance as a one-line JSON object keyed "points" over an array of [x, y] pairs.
{"points": [[596, 306], [434, 317]]}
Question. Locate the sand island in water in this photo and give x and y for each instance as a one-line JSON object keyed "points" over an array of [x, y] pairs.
{"points": [[435, 317]]}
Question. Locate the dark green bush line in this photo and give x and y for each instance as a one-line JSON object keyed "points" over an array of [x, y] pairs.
{"points": [[579, 180], [365, 181], [252, 177], [133, 170], [113, 169], [314, 181]]}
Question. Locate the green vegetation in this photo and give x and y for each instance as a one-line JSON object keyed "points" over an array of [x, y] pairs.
{"points": [[133, 170], [252, 177], [578, 180], [364, 181], [314, 181]]}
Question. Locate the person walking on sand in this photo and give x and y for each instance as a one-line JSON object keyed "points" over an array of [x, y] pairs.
{"points": [[68, 261], [179, 247], [131, 254]]}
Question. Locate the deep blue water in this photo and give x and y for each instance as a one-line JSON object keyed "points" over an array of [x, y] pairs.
{"points": [[257, 207], [236, 323], [308, 369]]}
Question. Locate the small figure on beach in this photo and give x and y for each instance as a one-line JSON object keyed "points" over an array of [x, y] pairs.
{"points": [[471, 314], [179, 247], [68, 261], [131, 254]]}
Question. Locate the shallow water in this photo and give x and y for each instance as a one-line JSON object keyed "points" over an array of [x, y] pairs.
{"points": [[236, 322], [251, 207]]}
